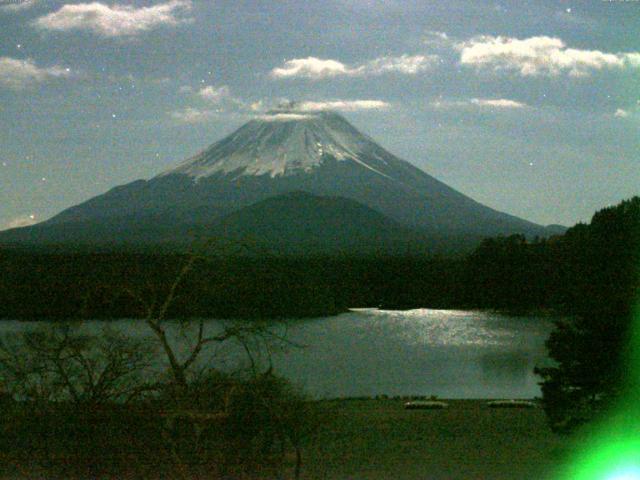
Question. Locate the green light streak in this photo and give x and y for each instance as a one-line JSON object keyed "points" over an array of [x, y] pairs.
{"points": [[612, 452]]}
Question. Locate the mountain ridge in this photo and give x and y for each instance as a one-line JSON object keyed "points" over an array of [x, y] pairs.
{"points": [[320, 153]]}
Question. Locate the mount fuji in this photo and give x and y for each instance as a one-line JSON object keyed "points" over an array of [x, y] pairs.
{"points": [[272, 156]]}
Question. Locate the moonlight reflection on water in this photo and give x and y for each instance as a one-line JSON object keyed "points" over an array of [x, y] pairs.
{"points": [[448, 353]]}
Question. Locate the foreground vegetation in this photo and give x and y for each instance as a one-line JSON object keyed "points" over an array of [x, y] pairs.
{"points": [[239, 429], [366, 439], [108, 405]]}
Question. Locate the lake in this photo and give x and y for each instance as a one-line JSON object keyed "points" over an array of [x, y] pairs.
{"points": [[368, 352]]}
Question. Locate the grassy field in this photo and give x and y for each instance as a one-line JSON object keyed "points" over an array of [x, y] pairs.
{"points": [[355, 439], [379, 439]]}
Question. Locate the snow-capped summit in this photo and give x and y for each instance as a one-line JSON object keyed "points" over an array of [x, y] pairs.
{"points": [[285, 141]]}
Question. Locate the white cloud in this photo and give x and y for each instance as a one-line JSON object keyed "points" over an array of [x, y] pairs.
{"points": [[311, 67], [12, 6], [285, 117], [632, 59], [17, 74], [409, 65], [541, 55], [215, 101], [114, 20], [620, 113], [289, 110], [214, 94], [284, 111], [317, 68], [492, 103], [497, 103], [194, 115], [21, 221], [437, 39], [344, 105]]}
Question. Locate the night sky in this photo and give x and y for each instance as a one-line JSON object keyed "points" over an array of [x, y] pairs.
{"points": [[532, 108]]}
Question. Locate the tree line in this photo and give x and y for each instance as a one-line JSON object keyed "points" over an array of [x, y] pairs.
{"points": [[588, 266]]}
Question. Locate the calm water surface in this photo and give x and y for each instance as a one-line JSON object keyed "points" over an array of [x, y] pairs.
{"points": [[448, 353]]}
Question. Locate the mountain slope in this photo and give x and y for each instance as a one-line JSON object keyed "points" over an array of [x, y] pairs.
{"points": [[297, 223], [285, 151], [302, 223]]}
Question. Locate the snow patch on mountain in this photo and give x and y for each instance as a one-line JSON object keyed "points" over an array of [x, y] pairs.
{"points": [[283, 143]]}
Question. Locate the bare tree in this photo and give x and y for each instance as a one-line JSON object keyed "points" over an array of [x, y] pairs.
{"points": [[61, 363], [247, 333]]}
